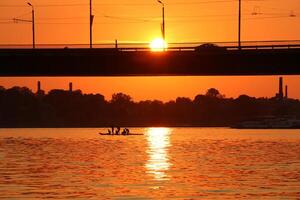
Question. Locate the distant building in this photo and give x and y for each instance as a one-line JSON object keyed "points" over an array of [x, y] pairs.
{"points": [[70, 87], [39, 91], [38, 87], [280, 92], [280, 96]]}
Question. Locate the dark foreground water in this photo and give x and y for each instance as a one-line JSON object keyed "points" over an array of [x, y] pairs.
{"points": [[164, 163]]}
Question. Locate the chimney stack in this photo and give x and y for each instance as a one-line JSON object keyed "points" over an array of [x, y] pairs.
{"points": [[38, 87], [70, 87], [280, 93]]}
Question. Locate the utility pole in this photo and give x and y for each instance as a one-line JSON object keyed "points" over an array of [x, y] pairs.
{"points": [[163, 23], [91, 25], [239, 32], [163, 20], [33, 25]]}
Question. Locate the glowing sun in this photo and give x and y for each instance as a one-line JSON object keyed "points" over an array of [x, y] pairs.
{"points": [[158, 44]]}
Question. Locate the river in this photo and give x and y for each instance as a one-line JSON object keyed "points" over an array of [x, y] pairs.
{"points": [[164, 163]]}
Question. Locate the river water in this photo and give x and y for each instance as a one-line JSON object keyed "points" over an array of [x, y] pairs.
{"points": [[164, 163]]}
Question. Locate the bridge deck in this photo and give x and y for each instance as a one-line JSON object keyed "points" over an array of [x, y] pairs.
{"points": [[176, 61]]}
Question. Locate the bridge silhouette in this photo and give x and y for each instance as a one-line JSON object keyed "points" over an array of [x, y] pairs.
{"points": [[180, 59]]}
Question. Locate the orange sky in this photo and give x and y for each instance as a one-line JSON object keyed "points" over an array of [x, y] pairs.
{"points": [[139, 21], [164, 88]]}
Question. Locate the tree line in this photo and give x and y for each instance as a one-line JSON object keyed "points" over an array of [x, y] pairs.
{"points": [[20, 107]]}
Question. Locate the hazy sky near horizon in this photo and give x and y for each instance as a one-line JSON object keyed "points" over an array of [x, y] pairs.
{"points": [[67, 22], [164, 88]]}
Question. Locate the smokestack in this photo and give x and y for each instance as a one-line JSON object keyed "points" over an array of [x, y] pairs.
{"points": [[280, 88], [38, 87], [286, 92], [70, 87]]}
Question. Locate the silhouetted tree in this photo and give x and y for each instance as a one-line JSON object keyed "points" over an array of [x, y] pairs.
{"points": [[214, 93], [120, 98], [121, 107], [20, 107]]}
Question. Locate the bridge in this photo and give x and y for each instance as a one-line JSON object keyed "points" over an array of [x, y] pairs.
{"points": [[179, 59]]}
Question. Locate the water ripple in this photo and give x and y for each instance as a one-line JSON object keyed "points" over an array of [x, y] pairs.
{"points": [[162, 164]]}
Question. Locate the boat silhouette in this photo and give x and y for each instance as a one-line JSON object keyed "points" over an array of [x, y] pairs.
{"points": [[129, 134]]}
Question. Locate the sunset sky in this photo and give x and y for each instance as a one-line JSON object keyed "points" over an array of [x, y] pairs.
{"points": [[67, 22]]}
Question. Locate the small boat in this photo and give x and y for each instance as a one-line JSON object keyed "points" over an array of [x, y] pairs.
{"points": [[121, 134]]}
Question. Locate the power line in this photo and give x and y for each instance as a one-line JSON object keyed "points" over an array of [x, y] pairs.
{"points": [[24, 14], [130, 18], [45, 5], [271, 17], [60, 18], [171, 18], [172, 3], [137, 22], [155, 18], [124, 4], [12, 6], [6, 23]]}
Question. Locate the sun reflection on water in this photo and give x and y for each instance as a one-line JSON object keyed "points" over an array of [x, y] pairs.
{"points": [[158, 162]]}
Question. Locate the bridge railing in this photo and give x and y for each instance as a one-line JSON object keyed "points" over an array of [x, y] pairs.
{"points": [[184, 46]]}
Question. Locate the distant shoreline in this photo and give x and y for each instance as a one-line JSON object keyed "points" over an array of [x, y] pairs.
{"points": [[21, 108], [132, 127], [55, 127]]}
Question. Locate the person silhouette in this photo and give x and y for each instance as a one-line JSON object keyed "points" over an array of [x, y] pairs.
{"points": [[118, 130], [112, 130]]}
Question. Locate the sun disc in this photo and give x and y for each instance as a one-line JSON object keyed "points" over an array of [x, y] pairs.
{"points": [[158, 44]]}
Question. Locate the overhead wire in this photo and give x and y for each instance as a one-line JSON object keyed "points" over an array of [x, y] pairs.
{"points": [[24, 14], [153, 21], [130, 19], [124, 4]]}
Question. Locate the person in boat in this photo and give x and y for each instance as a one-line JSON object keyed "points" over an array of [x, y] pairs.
{"points": [[118, 130], [112, 130], [127, 131]]}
